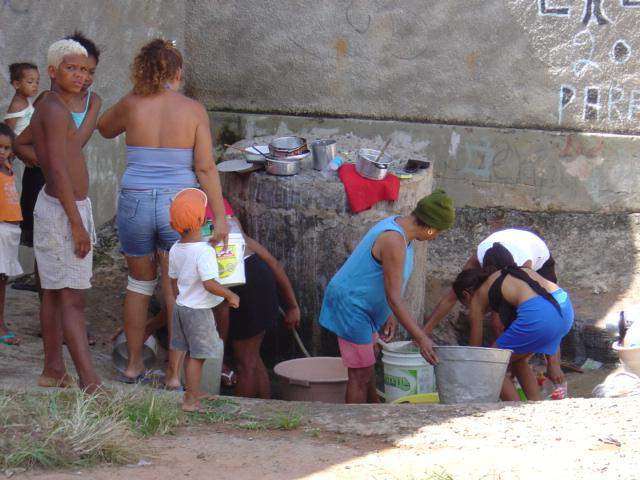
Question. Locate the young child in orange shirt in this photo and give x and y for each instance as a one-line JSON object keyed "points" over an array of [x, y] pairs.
{"points": [[10, 218]]}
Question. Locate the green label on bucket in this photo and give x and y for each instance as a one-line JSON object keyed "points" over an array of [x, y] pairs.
{"points": [[400, 383]]}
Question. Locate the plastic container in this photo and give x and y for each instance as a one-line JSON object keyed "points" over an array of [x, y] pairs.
{"points": [[231, 259], [552, 391], [315, 379], [211, 371], [629, 357], [405, 371], [470, 374]]}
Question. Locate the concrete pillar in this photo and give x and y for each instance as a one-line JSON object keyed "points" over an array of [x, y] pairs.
{"points": [[305, 222]]}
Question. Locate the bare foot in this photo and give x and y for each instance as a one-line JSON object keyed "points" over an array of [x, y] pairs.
{"points": [[192, 407], [64, 381]]}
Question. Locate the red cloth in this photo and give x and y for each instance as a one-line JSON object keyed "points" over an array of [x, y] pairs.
{"points": [[227, 209], [363, 193]]}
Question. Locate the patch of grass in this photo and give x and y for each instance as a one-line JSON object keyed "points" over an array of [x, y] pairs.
{"points": [[64, 429], [220, 410], [441, 475], [149, 414], [280, 421]]}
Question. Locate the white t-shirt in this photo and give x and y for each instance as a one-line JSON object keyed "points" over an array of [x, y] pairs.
{"points": [[191, 264], [522, 245]]}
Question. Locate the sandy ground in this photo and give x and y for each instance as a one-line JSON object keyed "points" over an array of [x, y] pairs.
{"points": [[576, 438]]}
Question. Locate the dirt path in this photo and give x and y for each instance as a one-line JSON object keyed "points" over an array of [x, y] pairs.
{"points": [[576, 439]]}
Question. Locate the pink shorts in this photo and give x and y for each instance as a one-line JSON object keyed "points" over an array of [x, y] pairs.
{"points": [[356, 355]]}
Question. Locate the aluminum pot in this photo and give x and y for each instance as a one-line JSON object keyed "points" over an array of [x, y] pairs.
{"points": [[120, 354], [368, 167], [324, 151], [282, 147], [283, 167]]}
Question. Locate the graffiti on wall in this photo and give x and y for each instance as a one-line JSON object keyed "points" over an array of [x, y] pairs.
{"points": [[598, 55]]}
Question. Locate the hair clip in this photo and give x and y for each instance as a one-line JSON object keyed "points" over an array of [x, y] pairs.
{"points": [[172, 42]]}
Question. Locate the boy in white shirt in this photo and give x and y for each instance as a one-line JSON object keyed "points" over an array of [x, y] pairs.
{"points": [[193, 270]]}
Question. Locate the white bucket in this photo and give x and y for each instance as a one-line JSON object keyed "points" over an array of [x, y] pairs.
{"points": [[231, 261], [406, 372]]}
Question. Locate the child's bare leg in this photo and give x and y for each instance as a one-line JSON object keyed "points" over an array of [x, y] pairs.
{"points": [[3, 327], [523, 372], [247, 355], [176, 358], [54, 370], [75, 335], [193, 376], [358, 384]]}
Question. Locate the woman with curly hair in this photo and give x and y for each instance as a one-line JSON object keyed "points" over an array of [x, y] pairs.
{"points": [[169, 148]]}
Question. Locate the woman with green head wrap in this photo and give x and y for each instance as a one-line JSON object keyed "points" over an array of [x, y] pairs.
{"points": [[365, 295]]}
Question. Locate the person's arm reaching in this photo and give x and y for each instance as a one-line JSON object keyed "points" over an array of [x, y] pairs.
{"points": [[55, 125], [292, 312], [207, 173], [219, 290], [113, 121], [477, 308], [391, 247], [448, 301]]}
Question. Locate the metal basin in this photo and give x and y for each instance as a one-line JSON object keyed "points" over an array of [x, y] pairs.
{"points": [[120, 355], [368, 167], [470, 374]]}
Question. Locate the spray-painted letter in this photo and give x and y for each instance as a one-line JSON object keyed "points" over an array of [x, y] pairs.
{"points": [[616, 96], [567, 94], [591, 103], [594, 7], [634, 104]]}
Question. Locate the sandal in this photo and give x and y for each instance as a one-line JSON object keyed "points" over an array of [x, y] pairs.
{"points": [[228, 377], [10, 339], [142, 379]]}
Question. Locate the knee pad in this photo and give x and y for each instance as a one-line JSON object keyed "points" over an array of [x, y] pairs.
{"points": [[143, 287]]}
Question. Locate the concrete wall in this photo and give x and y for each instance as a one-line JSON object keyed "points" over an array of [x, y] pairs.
{"points": [[119, 28], [551, 64]]}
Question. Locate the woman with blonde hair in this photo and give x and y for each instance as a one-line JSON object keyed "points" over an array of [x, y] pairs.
{"points": [[169, 148]]}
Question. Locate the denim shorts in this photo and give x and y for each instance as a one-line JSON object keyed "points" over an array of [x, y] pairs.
{"points": [[143, 221]]}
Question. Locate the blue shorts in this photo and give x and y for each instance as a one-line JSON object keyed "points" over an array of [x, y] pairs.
{"points": [[143, 221], [538, 327]]}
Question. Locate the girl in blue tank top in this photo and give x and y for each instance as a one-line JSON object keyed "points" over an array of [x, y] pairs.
{"points": [[362, 296]]}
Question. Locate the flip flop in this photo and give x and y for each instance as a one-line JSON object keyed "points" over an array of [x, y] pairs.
{"points": [[170, 388], [228, 377], [142, 379], [4, 339]]}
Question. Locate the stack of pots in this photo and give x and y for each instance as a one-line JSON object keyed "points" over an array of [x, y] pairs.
{"points": [[285, 154]]}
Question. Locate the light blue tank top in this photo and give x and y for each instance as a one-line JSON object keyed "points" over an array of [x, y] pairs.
{"points": [[150, 168], [78, 117], [355, 304]]}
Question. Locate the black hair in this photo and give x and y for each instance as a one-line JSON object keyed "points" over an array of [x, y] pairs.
{"points": [[7, 131], [89, 46], [16, 70], [419, 222], [498, 257]]}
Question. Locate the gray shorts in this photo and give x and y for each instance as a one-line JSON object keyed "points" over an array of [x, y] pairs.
{"points": [[194, 331]]}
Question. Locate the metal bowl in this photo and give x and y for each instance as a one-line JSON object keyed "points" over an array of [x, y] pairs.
{"points": [[368, 167], [287, 146], [283, 167], [251, 154], [120, 354]]}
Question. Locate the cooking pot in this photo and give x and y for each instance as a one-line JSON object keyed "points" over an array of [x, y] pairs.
{"points": [[368, 167], [282, 147], [281, 166]]}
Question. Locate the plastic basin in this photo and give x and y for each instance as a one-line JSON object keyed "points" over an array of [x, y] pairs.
{"points": [[315, 379]]}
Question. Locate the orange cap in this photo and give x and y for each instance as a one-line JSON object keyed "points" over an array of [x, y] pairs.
{"points": [[187, 211]]}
